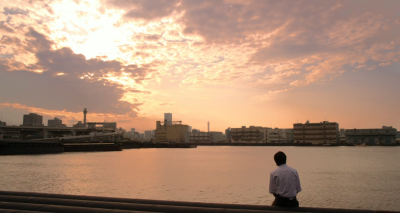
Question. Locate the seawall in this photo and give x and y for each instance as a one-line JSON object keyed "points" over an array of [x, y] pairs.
{"points": [[43, 202]]}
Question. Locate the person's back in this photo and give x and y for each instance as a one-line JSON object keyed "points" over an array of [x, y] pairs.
{"points": [[284, 183]]}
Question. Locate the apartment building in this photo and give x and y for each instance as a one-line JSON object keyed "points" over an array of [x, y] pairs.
{"points": [[252, 134], [316, 133]]}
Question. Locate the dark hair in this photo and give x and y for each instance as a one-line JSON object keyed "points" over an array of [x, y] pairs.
{"points": [[280, 158]]}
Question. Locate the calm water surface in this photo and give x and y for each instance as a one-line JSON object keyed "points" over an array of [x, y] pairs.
{"points": [[335, 177]]}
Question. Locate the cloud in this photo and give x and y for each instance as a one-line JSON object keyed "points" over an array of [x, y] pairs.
{"points": [[317, 38], [94, 83], [271, 95], [116, 56]]}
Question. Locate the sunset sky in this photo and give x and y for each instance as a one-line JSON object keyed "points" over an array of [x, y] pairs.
{"points": [[233, 63]]}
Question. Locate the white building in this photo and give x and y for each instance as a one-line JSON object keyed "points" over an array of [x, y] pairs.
{"points": [[279, 135], [168, 118]]}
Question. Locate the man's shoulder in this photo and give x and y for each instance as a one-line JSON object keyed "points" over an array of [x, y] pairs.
{"points": [[291, 168], [283, 168], [275, 171]]}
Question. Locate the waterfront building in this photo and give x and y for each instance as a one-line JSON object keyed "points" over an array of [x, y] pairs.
{"points": [[136, 136], [174, 132], [342, 136], [187, 137], [195, 130], [190, 129], [398, 137], [279, 135], [128, 135], [141, 136], [386, 135], [147, 135], [133, 130], [168, 118], [56, 122], [316, 133], [228, 134], [10, 134], [200, 137], [33, 119], [253, 134], [216, 136], [204, 137]]}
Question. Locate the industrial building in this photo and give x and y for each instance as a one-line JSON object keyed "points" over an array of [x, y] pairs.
{"points": [[316, 133], [174, 132], [386, 135], [33, 119], [342, 136]]}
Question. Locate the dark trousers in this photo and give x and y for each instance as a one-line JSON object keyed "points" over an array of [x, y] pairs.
{"points": [[285, 202]]}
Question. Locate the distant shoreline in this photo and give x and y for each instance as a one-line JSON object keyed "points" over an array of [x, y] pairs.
{"points": [[285, 144]]}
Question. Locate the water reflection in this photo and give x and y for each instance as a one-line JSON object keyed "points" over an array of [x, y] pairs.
{"points": [[337, 177]]}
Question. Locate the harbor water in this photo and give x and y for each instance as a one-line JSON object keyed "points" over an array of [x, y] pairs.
{"points": [[331, 177]]}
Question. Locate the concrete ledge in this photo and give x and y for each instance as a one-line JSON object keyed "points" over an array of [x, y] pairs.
{"points": [[44, 202]]}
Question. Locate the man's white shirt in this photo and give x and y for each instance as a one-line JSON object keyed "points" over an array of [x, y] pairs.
{"points": [[284, 181]]}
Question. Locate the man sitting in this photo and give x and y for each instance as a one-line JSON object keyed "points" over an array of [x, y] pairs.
{"points": [[284, 183]]}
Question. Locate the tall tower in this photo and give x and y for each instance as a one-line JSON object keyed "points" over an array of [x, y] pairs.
{"points": [[168, 118], [84, 116], [208, 126]]}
